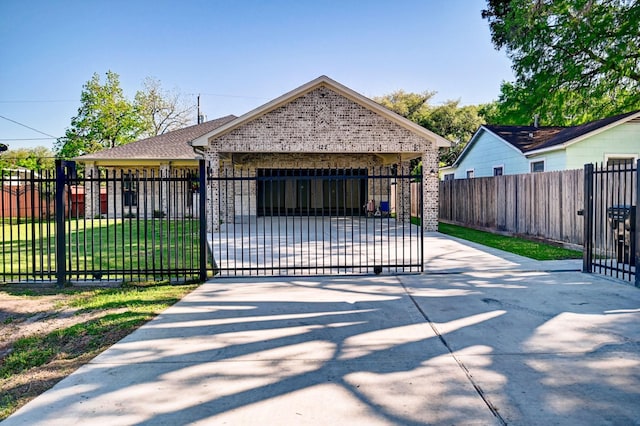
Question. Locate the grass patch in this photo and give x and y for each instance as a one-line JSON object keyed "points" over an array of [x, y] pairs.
{"points": [[139, 299], [101, 245], [37, 362], [519, 246]]}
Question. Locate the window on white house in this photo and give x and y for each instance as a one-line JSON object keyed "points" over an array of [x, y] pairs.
{"points": [[470, 174], [537, 166], [498, 171], [620, 161], [449, 176]]}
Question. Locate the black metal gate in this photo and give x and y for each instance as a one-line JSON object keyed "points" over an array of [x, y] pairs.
{"points": [[314, 221], [610, 220]]}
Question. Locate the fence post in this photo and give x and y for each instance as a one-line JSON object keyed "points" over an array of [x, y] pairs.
{"points": [[587, 255], [61, 264], [203, 218], [637, 227], [422, 219]]}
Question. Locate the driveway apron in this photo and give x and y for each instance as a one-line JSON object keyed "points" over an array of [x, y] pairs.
{"points": [[491, 339]]}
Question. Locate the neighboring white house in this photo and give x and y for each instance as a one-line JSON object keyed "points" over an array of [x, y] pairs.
{"points": [[508, 150]]}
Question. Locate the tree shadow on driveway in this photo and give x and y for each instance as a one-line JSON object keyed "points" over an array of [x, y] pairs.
{"points": [[475, 348]]}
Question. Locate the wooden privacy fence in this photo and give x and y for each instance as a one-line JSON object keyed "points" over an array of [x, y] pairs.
{"points": [[542, 205]]}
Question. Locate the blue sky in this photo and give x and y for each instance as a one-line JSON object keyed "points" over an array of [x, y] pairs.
{"points": [[237, 54]]}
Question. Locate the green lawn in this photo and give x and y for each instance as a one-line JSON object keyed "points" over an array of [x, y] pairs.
{"points": [[37, 361], [522, 247], [102, 245]]}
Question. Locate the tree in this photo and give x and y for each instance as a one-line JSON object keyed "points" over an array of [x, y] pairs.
{"points": [[409, 105], [105, 119], [574, 60], [452, 121], [449, 120], [161, 110], [38, 159], [3, 147]]}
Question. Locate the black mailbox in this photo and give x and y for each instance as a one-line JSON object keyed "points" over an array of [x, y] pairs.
{"points": [[622, 219]]}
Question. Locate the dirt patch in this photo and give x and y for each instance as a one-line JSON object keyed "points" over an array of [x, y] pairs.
{"points": [[27, 311]]}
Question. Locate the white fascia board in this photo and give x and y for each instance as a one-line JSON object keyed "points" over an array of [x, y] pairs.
{"points": [[468, 146]]}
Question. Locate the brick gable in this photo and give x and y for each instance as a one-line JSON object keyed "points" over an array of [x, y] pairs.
{"points": [[321, 121]]}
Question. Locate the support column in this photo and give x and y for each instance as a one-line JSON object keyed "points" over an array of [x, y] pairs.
{"points": [[91, 191], [165, 191], [403, 192], [430, 190], [227, 193], [213, 191]]}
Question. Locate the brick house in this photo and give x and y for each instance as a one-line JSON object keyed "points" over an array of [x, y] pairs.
{"points": [[317, 127]]}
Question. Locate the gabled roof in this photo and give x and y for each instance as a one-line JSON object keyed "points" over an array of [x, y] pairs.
{"points": [[576, 133], [174, 145], [530, 140], [336, 87], [525, 138]]}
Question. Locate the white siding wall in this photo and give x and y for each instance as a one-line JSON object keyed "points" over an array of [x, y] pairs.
{"points": [[553, 161], [622, 139], [487, 152]]}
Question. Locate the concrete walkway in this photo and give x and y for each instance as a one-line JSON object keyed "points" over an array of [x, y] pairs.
{"points": [[485, 338]]}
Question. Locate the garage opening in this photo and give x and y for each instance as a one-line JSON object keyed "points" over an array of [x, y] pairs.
{"points": [[317, 192]]}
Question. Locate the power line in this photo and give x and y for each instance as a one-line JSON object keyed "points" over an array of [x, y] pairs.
{"points": [[28, 127], [221, 95], [36, 101], [25, 139]]}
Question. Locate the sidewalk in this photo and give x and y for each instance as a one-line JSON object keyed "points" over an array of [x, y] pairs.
{"points": [[484, 338]]}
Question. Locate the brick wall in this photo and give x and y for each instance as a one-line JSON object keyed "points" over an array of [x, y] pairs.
{"points": [[325, 129]]}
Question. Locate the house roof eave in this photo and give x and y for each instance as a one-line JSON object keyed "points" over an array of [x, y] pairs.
{"points": [[583, 136]]}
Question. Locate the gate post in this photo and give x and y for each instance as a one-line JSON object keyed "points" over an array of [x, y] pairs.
{"points": [[637, 227], [430, 193], [202, 169], [587, 254], [61, 264]]}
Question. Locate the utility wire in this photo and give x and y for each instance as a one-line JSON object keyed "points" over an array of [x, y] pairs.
{"points": [[35, 101], [221, 95], [28, 127], [25, 139]]}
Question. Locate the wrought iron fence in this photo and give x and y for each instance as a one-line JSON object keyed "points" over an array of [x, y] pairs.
{"points": [[611, 223], [28, 225], [112, 225], [148, 225]]}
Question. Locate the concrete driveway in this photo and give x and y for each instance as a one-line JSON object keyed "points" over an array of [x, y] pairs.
{"points": [[485, 338]]}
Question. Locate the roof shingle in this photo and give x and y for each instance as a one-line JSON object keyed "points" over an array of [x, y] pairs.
{"points": [[174, 145], [530, 138]]}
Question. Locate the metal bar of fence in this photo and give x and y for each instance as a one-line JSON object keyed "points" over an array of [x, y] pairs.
{"points": [[636, 236], [61, 271], [202, 209], [587, 258]]}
